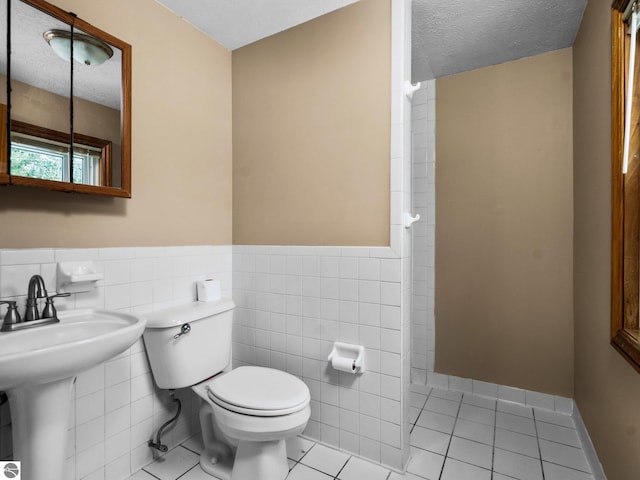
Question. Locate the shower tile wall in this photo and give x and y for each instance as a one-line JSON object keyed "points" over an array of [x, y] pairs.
{"points": [[294, 302], [423, 127], [115, 408]]}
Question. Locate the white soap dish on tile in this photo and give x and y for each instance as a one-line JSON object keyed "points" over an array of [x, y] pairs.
{"points": [[77, 277]]}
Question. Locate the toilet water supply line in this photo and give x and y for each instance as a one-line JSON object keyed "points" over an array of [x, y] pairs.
{"points": [[629, 99], [158, 445]]}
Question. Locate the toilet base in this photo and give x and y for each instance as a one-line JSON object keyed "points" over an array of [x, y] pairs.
{"points": [[264, 460], [221, 469], [253, 460]]}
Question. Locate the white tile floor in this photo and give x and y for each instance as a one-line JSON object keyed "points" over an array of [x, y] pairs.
{"points": [[454, 436]]}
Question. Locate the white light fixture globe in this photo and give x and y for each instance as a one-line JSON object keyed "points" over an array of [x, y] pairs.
{"points": [[86, 49]]}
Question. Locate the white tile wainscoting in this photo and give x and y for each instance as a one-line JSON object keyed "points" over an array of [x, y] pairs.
{"points": [[116, 409], [293, 303]]}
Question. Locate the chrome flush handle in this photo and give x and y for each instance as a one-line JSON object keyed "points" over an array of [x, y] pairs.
{"points": [[186, 328]]}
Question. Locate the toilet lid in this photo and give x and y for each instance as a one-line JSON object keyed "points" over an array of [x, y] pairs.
{"points": [[252, 390]]}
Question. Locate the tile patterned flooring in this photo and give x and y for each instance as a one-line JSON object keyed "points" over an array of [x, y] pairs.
{"points": [[454, 436]]}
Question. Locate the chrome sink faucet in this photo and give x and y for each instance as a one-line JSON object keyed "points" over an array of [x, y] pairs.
{"points": [[36, 290], [36, 281]]}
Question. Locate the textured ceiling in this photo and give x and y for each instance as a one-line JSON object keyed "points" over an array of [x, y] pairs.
{"points": [[448, 36], [451, 36], [33, 62], [236, 23]]}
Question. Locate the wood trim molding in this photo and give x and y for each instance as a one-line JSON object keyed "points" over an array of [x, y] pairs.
{"points": [[124, 191], [617, 186], [625, 198], [4, 145]]}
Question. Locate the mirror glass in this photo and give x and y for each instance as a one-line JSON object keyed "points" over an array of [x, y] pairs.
{"points": [[69, 120], [96, 114], [3, 95], [40, 89]]}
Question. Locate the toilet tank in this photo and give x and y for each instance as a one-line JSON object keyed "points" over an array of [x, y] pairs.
{"points": [[194, 356]]}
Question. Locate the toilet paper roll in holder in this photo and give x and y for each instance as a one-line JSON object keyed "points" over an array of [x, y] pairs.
{"points": [[347, 353]]}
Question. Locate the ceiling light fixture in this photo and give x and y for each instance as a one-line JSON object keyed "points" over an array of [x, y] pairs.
{"points": [[86, 49]]}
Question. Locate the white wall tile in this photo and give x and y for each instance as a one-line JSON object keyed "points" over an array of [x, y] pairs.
{"points": [[511, 394], [89, 407], [329, 267], [369, 291], [14, 279], [90, 381], [485, 389], [144, 278], [117, 371], [89, 461], [118, 421], [369, 269], [423, 117], [26, 256], [89, 434], [339, 299], [540, 400]]}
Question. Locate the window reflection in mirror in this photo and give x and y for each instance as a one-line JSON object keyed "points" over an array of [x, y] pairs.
{"points": [[38, 152]]}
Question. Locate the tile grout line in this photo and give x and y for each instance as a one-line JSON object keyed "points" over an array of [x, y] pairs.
{"points": [[342, 468], [535, 425], [446, 455], [421, 410], [149, 473], [495, 431], [195, 466]]}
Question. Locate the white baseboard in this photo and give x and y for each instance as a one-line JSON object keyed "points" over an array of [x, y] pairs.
{"points": [[587, 446], [519, 396], [529, 398]]}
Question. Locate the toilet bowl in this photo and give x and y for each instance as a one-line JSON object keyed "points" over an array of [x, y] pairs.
{"points": [[246, 414], [257, 409]]}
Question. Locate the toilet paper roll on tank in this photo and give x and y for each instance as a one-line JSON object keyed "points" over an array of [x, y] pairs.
{"points": [[208, 290]]}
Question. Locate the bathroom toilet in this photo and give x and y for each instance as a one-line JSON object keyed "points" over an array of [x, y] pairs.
{"points": [[246, 414]]}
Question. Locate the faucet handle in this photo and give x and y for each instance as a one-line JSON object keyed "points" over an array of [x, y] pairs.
{"points": [[12, 316], [49, 309]]}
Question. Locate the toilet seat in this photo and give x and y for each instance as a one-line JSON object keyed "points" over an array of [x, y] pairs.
{"points": [[258, 391]]}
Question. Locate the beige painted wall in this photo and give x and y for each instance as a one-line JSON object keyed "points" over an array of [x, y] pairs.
{"points": [[311, 122], [181, 145], [504, 224], [607, 388]]}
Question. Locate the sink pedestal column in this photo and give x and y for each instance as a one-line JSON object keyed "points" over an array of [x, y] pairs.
{"points": [[40, 420]]}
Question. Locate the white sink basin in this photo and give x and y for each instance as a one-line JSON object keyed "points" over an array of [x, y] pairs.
{"points": [[37, 368], [82, 339]]}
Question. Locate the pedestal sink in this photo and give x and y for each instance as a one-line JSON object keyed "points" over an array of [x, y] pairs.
{"points": [[37, 369]]}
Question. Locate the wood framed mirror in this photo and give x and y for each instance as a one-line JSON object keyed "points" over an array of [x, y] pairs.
{"points": [[66, 124]]}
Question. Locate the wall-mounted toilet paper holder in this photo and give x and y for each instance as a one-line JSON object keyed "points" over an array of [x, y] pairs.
{"points": [[347, 357]]}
